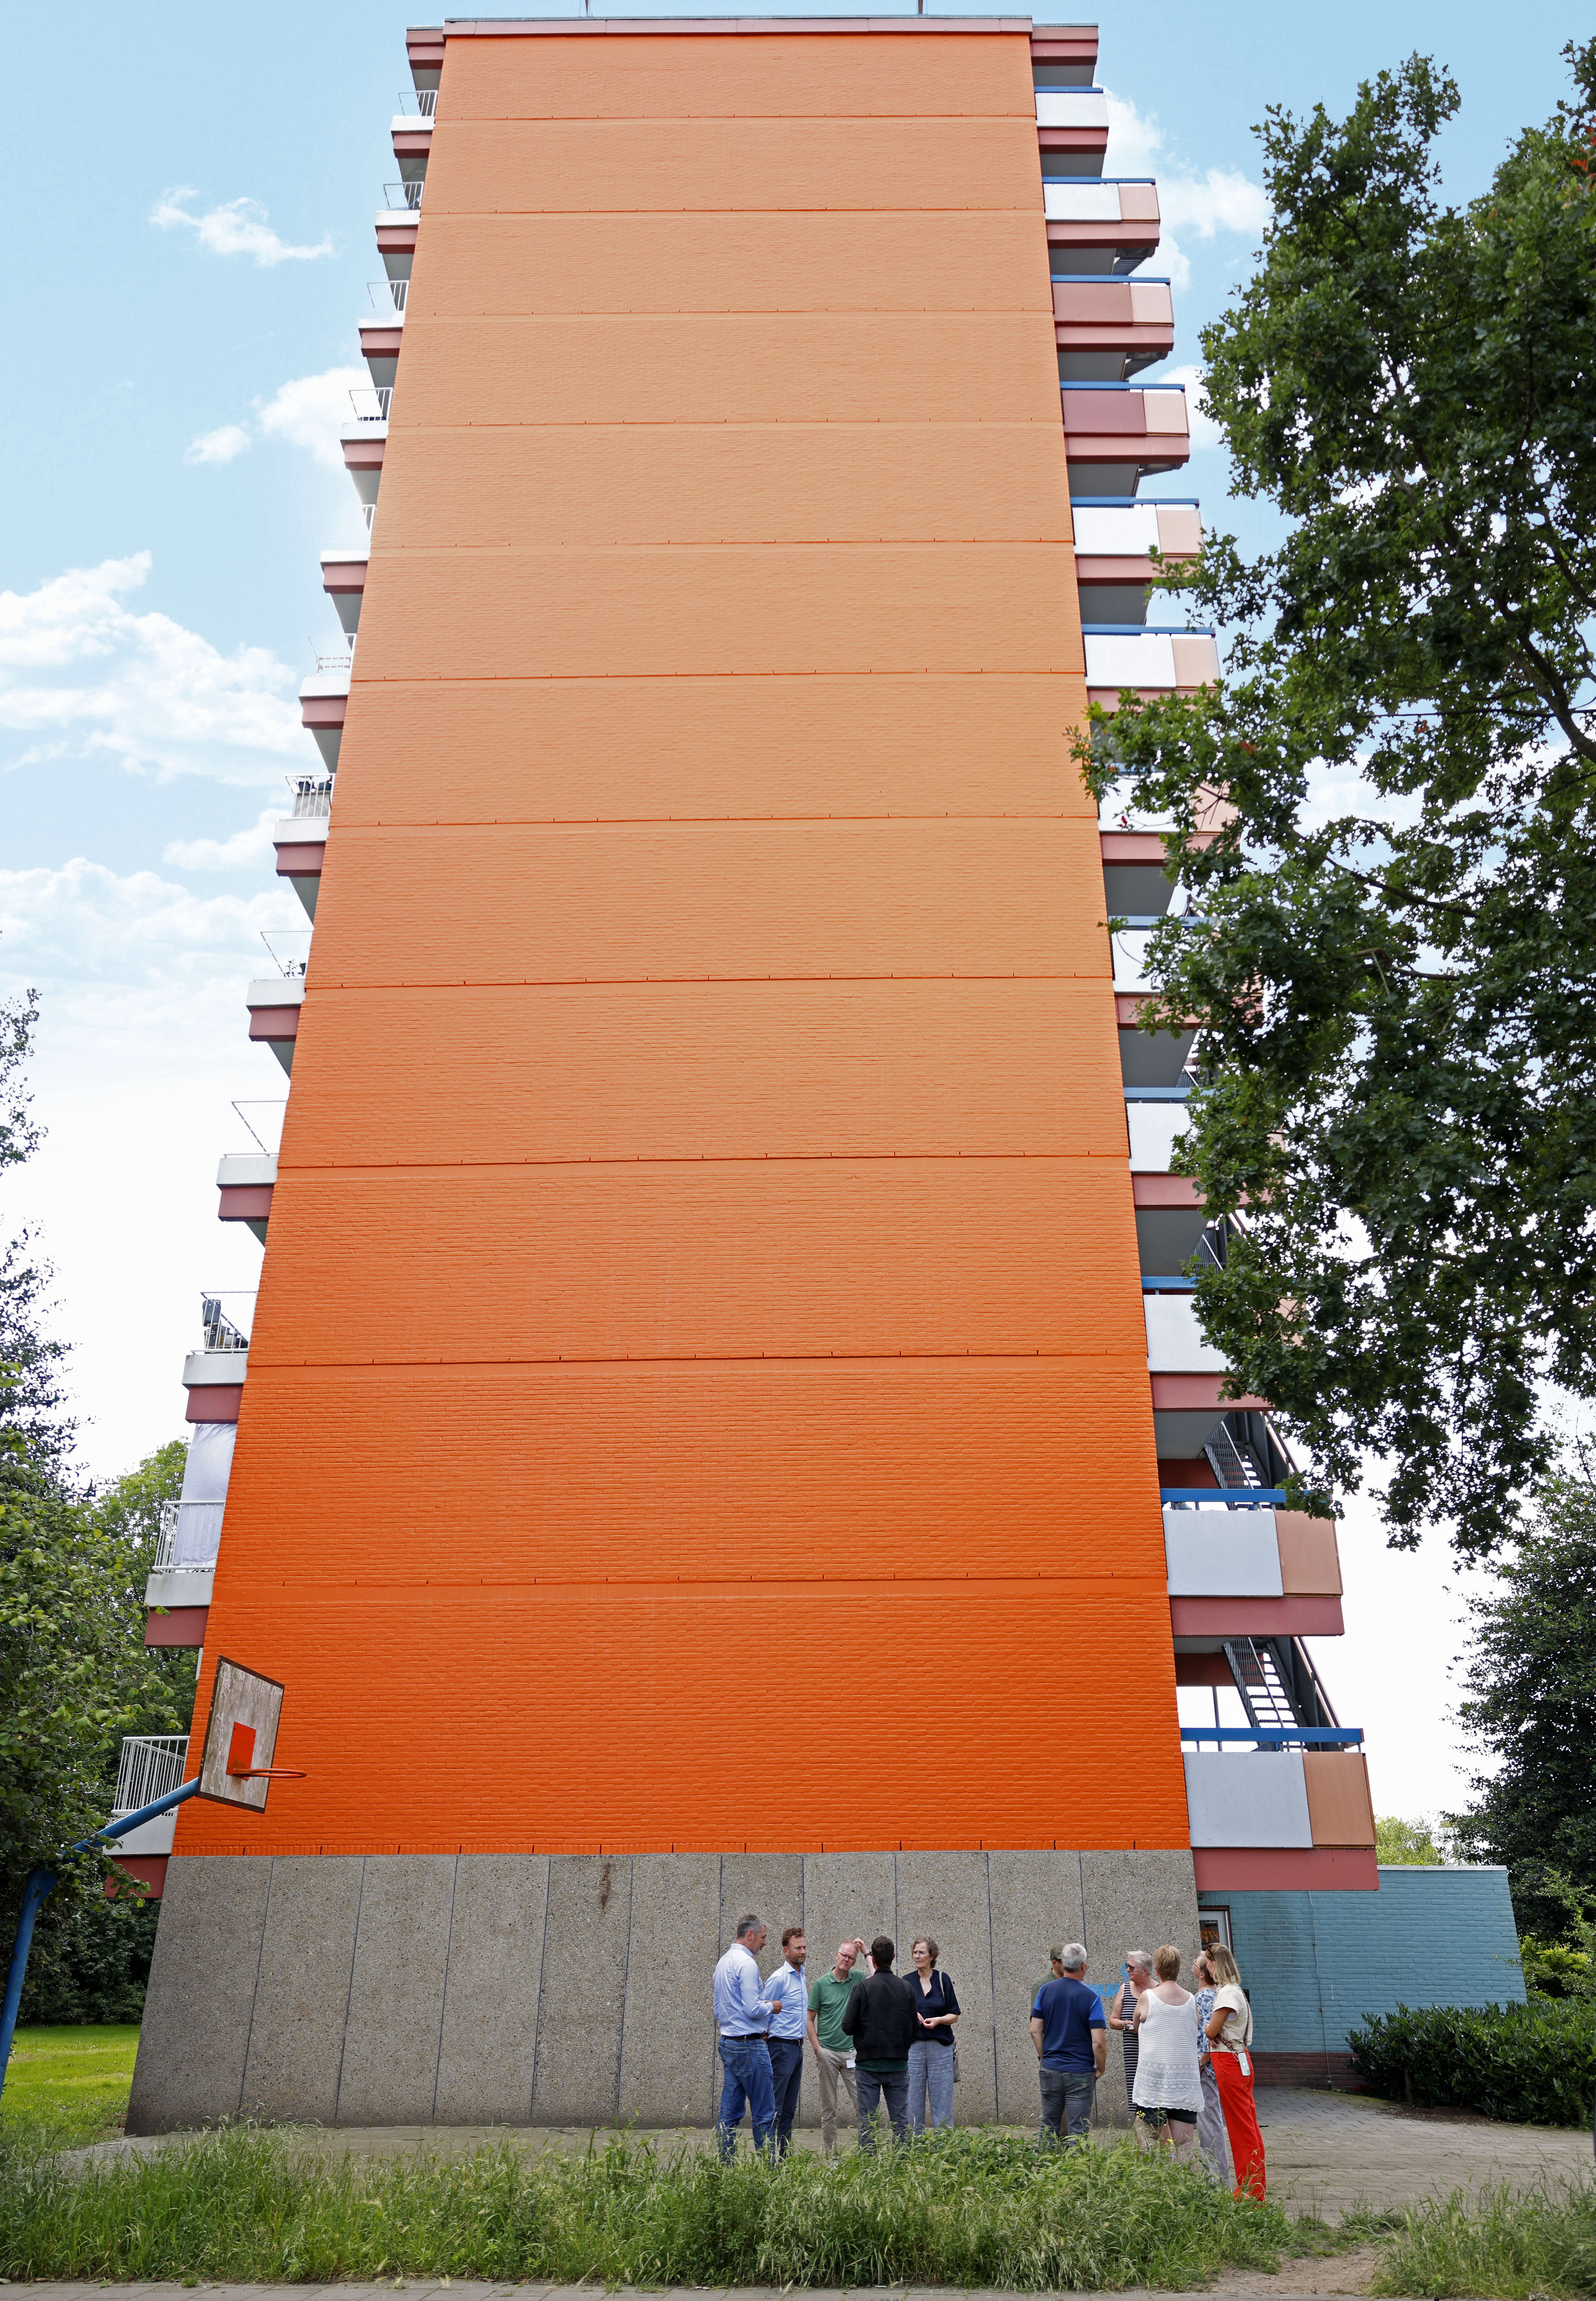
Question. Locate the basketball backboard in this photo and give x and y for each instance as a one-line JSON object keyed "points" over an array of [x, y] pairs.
{"points": [[241, 1736]]}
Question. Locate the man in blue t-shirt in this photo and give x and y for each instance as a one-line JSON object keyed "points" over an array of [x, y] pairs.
{"points": [[1071, 2039]]}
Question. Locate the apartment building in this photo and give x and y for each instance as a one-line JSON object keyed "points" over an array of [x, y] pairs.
{"points": [[722, 1424]]}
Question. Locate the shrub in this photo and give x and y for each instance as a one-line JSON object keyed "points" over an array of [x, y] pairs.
{"points": [[1533, 2065]]}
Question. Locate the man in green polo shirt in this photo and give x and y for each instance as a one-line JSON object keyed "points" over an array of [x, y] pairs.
{"points": [[833, 2047]]}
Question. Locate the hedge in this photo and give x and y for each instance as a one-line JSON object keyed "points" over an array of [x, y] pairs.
{"points": [[1531, 2064]]}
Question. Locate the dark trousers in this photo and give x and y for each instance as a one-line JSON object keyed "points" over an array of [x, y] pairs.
{"points": [[894, 2092], [786, 2076], [1067, 2096]]}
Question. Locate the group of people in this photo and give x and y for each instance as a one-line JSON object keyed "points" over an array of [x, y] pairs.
{"points": [[1188, 2055], [889, 2043]]}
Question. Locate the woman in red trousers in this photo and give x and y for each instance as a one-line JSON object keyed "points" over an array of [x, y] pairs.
{"points": [[1230, 2042]]}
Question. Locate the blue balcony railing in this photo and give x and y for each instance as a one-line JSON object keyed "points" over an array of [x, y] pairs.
{"points": [[1306, 1737], [1227, 1497]]}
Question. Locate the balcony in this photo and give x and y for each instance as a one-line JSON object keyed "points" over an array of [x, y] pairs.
{"points": [[344, 581], [1064, 55], [149, 1765], [1146, 660], [1116, 433], [1273, 1810], [1114, 541], [1258, 1572], [381, 339], [274, 1002], [300, 840], [1108, 330], [185, 1557], [1175, 1342], [1102, 224], [404, 196], [323, 700], [389, 297], [1072, 130], [245, 1181]]}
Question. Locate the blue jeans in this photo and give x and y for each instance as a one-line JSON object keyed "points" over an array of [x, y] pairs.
{"points": [[747, 2063], [786, 2076], [931, 2081], [894, 2092]]}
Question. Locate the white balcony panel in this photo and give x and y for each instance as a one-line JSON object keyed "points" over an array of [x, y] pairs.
{"points": [[149, 1838], [1155, 1128], [1129, 959], [1130, 659], [1080, 201], [245, 1170], [318, 686], [187, 1585], [276, 991], [1175, 1343], [1248, 1797], [1072, 107], [202, 1367], [1119, 811], [1221, 1553], [1116, 531]]}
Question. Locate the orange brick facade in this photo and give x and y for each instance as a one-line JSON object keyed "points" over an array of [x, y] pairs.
{"points": [[698, 1395]]}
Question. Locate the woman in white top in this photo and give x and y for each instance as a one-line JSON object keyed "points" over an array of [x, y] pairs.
{"points": [[1168, 2088], [1229, 2041]]}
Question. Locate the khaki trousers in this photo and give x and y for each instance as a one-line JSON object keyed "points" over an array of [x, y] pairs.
{"points": [[832, 2067]]}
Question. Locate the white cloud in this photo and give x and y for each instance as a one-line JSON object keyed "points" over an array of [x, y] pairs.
{"points": [[1219, 200], [308, 413], [235, 228], [312, 412], [252, 845], [143, 1045], [81, 672], [218, 447], [1205, 432]]}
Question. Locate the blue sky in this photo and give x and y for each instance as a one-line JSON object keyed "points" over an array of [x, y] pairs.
{"points": [[196, 190]]}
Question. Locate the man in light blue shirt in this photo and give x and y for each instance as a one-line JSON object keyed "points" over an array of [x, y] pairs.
{"points": [[742, 2016], [789, 1992]]}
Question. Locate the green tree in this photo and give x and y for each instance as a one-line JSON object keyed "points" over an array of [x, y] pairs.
{"points": [[1531, 1707], [1407, 1843], [74, 1672], [1393, 965]]}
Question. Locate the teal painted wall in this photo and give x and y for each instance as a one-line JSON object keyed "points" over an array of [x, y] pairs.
{"points": [[1315, 1963]]}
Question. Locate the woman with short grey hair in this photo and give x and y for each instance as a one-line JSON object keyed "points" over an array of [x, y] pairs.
{"points": [[932, 2054]]}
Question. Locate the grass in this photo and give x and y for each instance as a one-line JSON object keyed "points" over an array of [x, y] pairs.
{"points": [[70, 2085], [961, 2208], [1541, 2242]]}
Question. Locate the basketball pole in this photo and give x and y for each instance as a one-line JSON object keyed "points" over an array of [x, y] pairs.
{"points": [[40, 1884]]}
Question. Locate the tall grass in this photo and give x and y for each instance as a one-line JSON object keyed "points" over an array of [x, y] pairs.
{"points": [[970, 2209], [1541, 2242]]}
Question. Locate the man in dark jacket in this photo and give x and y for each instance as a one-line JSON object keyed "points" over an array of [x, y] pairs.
{"points": [[880, 2018]]}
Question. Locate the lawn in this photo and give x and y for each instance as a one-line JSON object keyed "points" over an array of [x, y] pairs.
{"points": [[70, 2084]]}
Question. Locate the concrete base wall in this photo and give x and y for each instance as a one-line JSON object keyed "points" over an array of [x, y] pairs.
{"points": [[526, 1989]]}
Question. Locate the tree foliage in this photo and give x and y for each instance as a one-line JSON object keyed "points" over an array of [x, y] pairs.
{"points": [[1409, 1845], [1530, 1708], [74, 1673], [1393, 965]]}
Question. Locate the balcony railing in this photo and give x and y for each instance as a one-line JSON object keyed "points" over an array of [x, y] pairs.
{"points": [[1277, 1738], [313, 794], [189, 1537], [336, 659], [221, 1333], [293, 962], [384, 292], [421, 100], [371, 403], [407, 195], [149, 1765]]}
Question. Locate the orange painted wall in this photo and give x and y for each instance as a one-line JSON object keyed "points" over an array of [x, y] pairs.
{"points": [[700, 1307]]}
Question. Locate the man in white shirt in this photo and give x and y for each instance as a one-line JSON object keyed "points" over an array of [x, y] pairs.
{"points": [[789, 1992], [742, 2015]]}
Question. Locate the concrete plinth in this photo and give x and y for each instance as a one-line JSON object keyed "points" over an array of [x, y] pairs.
{"points": [[506, 1988]]}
